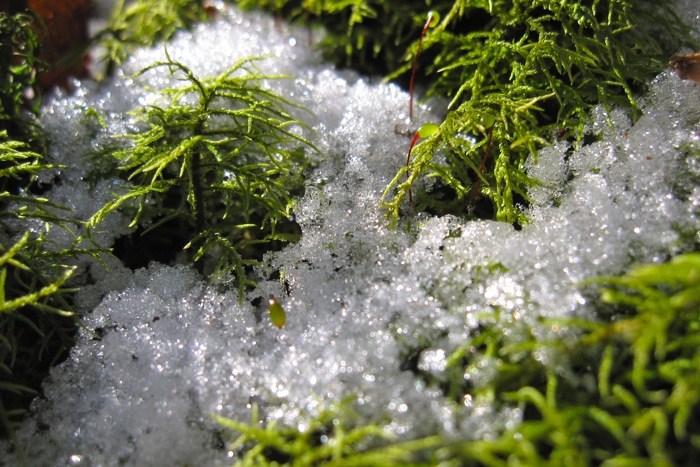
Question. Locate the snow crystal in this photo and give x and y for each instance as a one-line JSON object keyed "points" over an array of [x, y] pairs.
{"points": [[163, 351]]}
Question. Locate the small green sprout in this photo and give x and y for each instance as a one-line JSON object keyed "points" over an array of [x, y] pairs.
{"points": [[277, 314]]}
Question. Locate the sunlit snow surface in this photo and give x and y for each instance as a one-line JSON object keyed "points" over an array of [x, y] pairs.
{"points": [[361, 296]]}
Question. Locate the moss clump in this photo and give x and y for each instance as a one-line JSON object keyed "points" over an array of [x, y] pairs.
{"points": [[223, 169], [36, 323], [644, 406], [367, 35], [530, 71], [35, 326]]}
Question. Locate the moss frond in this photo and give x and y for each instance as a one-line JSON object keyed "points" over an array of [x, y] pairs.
{"points": [[331, 438], [36, 323], [223, 166]]}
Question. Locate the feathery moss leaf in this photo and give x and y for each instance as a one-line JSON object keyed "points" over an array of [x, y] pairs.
{"points": [[224, 166]]}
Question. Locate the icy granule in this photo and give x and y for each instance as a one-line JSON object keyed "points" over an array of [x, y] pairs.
{"points": [[550, 171], [123, 396], [163, 351]]}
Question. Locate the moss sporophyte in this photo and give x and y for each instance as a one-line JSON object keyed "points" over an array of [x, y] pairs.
{"points": [[224, 166], [425, 131]]}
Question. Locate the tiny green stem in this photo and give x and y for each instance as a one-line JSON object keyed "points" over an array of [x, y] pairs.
{"points": [[197, 182], [197, 190]]}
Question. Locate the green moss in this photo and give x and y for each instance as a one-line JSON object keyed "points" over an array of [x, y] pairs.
{"points": [[530, 69], [523, 71], [34, 330], [644, 406], [19, 65], [332, 438], [36, 322], [224, 167], [143, 23], [368, 35]]}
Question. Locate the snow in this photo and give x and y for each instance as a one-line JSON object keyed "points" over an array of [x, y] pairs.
{"points": [[162, 351]]}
